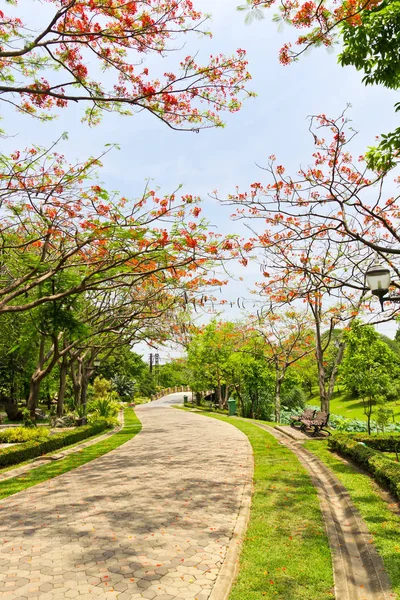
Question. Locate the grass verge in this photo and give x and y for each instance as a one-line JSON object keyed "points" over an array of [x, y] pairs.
{"points": [[131, 427], [285, 555], [383, 523]]}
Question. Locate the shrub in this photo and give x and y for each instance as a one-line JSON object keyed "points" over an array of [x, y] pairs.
{"points": [[32, 449], [384, 470], [384, 442], [141, 400], [15, 435], [124, 387], [26, 415], [104, 407], [294, 398], [109, 422]]}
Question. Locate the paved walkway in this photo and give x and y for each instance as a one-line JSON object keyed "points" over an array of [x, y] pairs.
{"points": [[152, 519], [58, 454]]}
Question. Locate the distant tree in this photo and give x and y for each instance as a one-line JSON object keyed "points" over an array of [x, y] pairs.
{"points": [[208, 359], [369, 366], [173, 373]]}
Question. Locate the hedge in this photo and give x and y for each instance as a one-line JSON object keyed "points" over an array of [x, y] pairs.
{"points": [[17, 454], [384, 470], [385, 442], [18, 435]]}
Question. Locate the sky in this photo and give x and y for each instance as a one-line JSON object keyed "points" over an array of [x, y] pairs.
{"points": [[275, 122]]}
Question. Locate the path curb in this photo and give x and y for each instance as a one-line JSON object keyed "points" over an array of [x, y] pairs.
{"points": [[358, 569], [39, 461], [230, 566]]}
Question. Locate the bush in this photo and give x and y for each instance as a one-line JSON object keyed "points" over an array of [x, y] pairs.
{"points": [[384, 442], [104, 407], [15, 455], [109, 422], [124, 387], [384, 470], [141, 400], [15, 435], [26, 416], [294, 398]]}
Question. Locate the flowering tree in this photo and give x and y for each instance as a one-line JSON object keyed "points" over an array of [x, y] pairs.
{"points": [[94, 52], [56, 221], [322, 279], [367, 32], [336, 198], [324, 225], [287, 338]]}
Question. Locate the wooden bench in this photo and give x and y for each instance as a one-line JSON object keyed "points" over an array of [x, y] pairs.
{"points": [[307, 414], [317, 423]]}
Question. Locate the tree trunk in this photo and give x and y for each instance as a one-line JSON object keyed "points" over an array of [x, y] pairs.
{"points": [[34, 390], [62, 386], [278, 387], [225, 396], [76, 376], [84, 387], [240, 400], [324, 399], [11, 407], [335, 371], [46, 362]]}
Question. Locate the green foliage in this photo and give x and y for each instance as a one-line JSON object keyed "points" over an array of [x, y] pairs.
{"points": [[384, 442], [26, 417], [374, 47], [104, 399], [208, 356], [125, 363], [124, 387], [141, 400], [294, 397], [369, 366], [384, 470], [15, 435], [109, 422], [104, 407], [174, 373], [17, 454], [101, 388]]}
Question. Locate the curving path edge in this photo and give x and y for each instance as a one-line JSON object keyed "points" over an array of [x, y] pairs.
{"points": [[158, 518], [359, 573]]}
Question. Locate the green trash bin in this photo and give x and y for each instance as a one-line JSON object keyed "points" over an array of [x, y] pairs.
{"points": [[232, 407], [185, 399]]}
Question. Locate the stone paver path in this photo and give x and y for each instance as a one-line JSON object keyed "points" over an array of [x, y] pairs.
{"points": [[58, 454], [152, 519]]}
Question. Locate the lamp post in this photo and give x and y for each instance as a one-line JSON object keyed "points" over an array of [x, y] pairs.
{"points": [[378, 281]]}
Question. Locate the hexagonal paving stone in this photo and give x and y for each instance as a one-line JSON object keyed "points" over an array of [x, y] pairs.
{"points": [[149, 521]]}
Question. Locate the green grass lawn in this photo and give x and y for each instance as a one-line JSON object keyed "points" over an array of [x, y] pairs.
{"points": [[351, 408], [392, 456], [285, 554], [131, 427], [383, 523]]}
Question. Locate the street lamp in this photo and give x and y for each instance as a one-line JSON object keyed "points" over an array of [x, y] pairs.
{"points": [[96, 363], [378, 281]]}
